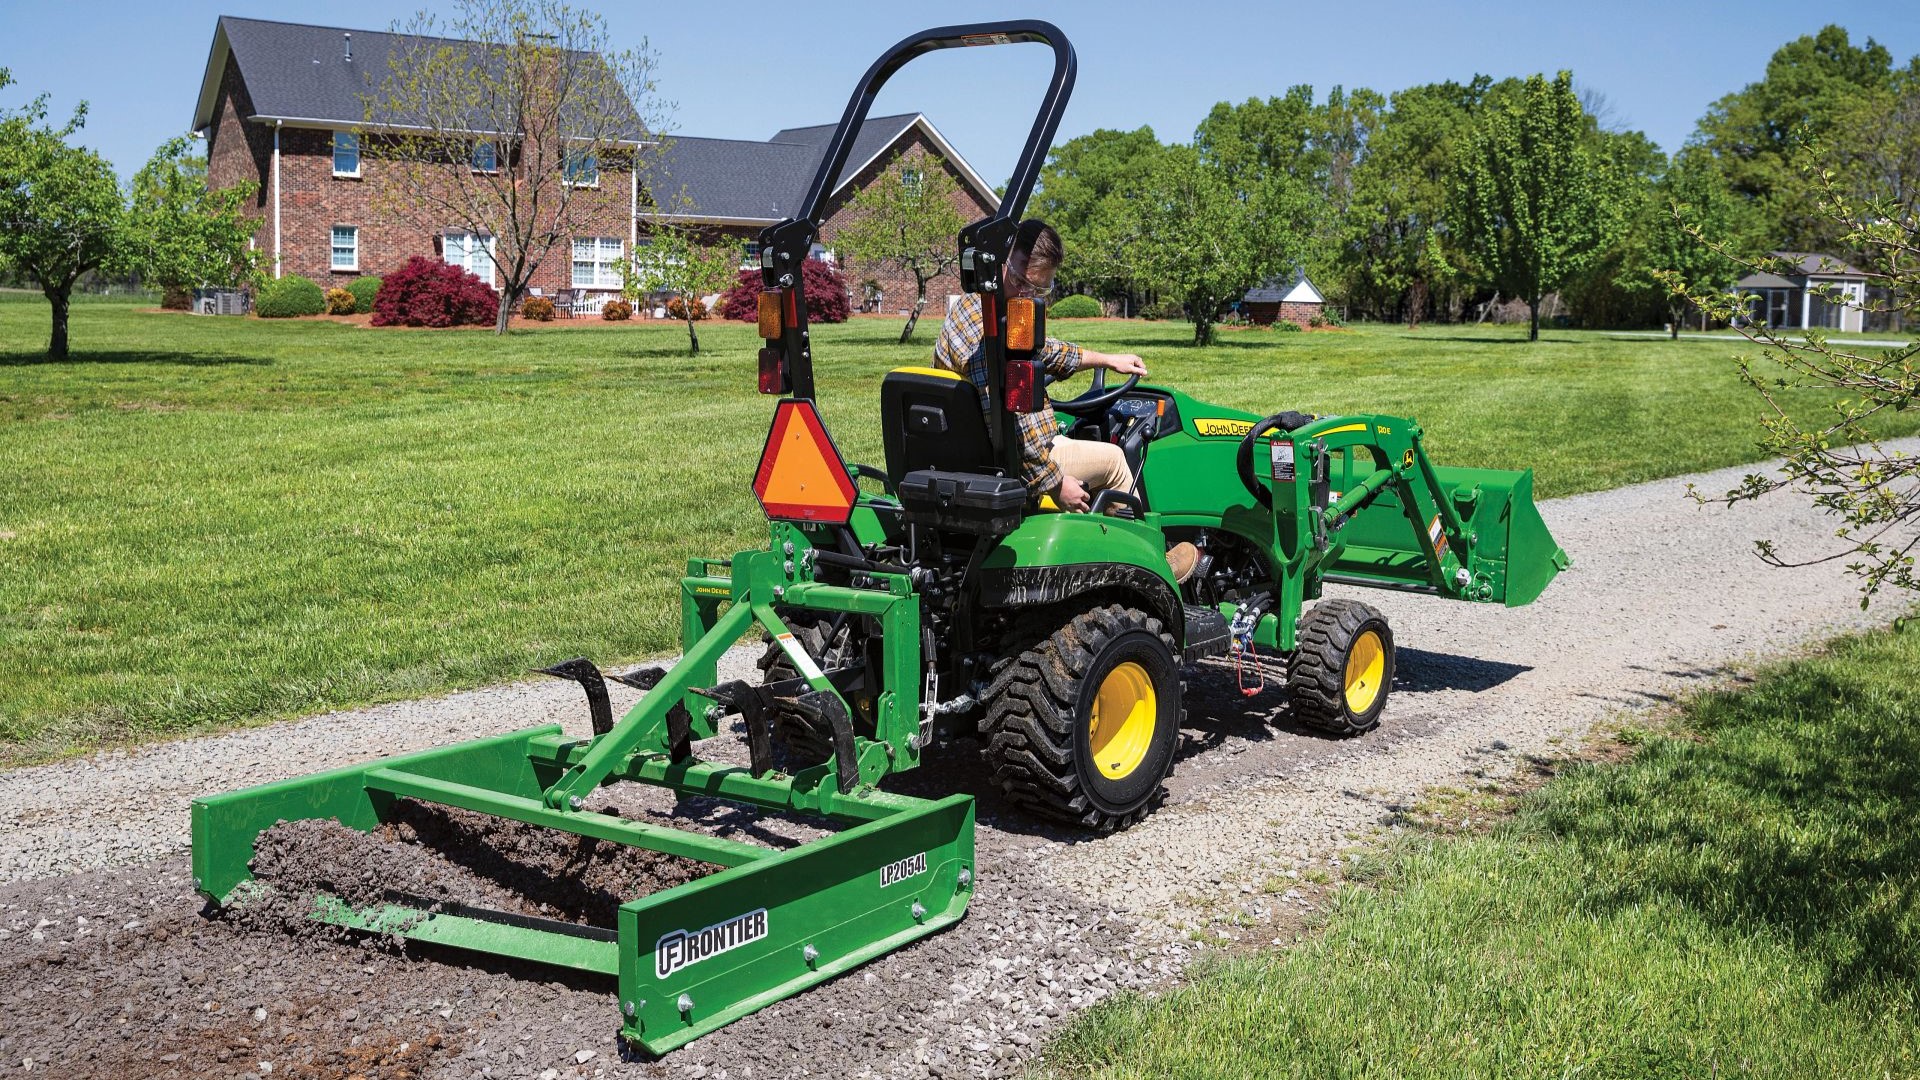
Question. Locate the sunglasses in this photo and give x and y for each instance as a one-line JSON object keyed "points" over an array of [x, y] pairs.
{"points": [[1032, 289]]}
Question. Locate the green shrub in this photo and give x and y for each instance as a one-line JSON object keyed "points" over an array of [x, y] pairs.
{"points": [[339, 302], [284, 298], [364, 289], [1286, 326], [1077, 306], [537, 308], [1163, 309], [616, 311]]}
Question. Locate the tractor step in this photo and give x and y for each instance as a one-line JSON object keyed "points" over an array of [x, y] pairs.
{"points": [[1207, 634]]}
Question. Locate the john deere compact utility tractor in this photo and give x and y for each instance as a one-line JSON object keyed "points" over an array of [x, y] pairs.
{"points": [[940, 597]]}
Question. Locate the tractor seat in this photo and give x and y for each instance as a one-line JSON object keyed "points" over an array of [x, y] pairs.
{"points": [[939, 456]]}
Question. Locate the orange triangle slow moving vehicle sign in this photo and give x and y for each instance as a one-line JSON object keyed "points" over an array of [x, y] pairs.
{"points": [[801, 476]]}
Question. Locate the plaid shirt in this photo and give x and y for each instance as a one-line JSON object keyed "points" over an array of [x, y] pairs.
{"points": [[959, 350]]}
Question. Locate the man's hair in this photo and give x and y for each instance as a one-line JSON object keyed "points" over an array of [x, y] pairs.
{"points": [[1038, 242]]}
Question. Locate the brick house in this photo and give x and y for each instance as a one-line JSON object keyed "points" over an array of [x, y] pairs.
{"points": [[738, 187], [282, 105], [1290, 298]]}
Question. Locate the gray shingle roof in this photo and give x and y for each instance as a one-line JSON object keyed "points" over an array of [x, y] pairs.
{"points": [[734, 178], [1805, 264], [295, 71], [1275, 289], [762, 181], [1812, 262], [1767, 281]]}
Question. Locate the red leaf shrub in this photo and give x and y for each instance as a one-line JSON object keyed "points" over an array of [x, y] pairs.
{"points": [[826, 294], [428, 292], [617, 311], [537, 308]]}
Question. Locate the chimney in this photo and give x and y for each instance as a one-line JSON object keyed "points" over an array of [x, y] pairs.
{"points": [[349, 36]]}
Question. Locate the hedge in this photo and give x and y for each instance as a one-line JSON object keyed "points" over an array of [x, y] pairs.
{"points": [[1078, 306], [284, 298]]}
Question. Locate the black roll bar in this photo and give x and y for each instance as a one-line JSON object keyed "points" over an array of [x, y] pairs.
{"points": [[984, 245]]}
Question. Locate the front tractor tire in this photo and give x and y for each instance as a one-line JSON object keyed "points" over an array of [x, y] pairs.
{"points": [[1342, 667], [1082, 724]]}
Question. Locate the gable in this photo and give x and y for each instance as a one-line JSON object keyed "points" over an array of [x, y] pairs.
{"points": [[738, 181]]}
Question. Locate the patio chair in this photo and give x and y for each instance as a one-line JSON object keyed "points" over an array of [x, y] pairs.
{"points": [[563, 302]]}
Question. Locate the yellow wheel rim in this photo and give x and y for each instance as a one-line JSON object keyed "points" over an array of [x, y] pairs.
{"points": [[1121, 728], [1366, 664]]}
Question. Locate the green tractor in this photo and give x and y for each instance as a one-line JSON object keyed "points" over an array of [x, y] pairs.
{"points": [[938, 599]]}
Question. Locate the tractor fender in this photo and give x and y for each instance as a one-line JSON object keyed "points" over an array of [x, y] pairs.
{"points": [[1051, 558]]}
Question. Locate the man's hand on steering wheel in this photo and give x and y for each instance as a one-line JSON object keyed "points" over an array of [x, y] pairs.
{"points": [[1098, 396]]}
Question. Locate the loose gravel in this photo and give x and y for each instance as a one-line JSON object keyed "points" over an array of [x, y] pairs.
{"points": [[109, 966]]}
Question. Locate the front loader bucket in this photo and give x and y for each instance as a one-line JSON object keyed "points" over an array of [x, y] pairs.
{"points": [[1514, 556], [689, 959]]}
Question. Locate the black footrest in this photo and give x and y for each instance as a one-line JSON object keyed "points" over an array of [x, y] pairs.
{"points": [[1207, 634]]}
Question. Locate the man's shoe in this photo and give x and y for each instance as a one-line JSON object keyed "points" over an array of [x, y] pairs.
{"points": [[1181, 559]]}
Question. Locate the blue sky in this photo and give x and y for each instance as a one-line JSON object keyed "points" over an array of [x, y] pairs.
{"points": [[1659, 64]]}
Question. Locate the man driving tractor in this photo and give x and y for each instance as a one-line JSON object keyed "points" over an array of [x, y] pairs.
{"points": [[1071, 471]]}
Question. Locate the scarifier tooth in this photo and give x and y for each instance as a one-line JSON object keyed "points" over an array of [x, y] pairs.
{"points": [[581, 670]]}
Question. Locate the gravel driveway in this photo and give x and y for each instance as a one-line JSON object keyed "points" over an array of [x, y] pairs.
{"points": [[112, 970]]}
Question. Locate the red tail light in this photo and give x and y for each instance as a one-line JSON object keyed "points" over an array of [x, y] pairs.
{"points": [[773, 372], [1022, 387]]}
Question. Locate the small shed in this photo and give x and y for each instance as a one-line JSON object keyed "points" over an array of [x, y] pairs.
{"points": [[1795, 300], [1289, 297]]}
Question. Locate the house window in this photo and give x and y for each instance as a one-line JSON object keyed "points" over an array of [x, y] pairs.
{"points": [[346, 154], [485, 157], [910, 183], [346, 247], [470, 252], [751, 255], [596, 262], [581, 168]]}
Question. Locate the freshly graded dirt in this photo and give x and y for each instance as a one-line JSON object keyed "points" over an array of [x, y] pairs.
{"points": [[116, 971]]}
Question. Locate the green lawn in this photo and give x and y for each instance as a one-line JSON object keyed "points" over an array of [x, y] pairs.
{"points": [[1741, 899], [210, 522]]}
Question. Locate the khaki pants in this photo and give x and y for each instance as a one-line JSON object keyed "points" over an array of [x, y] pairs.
{"points": [[1098, 465]]}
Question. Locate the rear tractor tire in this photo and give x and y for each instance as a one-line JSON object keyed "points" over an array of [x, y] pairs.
{"points": [[1083, 722], [1342, 667], [806, 745]]}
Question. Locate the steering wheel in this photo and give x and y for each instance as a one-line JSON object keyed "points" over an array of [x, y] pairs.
{"points": [[1097, 397], [1243, 461]]}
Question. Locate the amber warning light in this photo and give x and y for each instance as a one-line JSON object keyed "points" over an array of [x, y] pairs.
{"points": [[801, 476], [771, 303]]}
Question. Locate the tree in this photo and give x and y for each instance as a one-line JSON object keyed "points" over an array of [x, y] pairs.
{"points": [[497, 122], [1665, 254], [1833, 456], [1874, 149], [1534, 201], [1397, 239], [682, 261], [1810, 84], [61, 213], [1190, 233], [1083, 171], [180, 235], [907, 218], [1086, 191]]}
